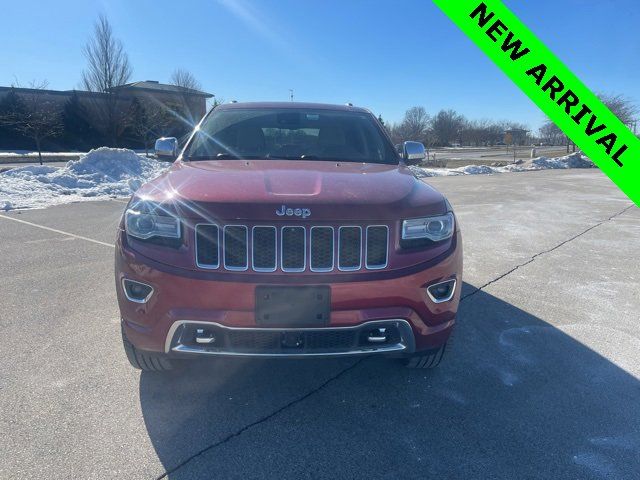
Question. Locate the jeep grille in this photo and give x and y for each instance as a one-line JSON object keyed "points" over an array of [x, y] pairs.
{"points": [[291, 248]]}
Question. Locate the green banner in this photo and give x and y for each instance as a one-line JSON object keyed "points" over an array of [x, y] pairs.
{"points": [[552, 87]]}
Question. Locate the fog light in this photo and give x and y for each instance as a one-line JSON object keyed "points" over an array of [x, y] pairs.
{"points": [[136, 291], [442, 292]]}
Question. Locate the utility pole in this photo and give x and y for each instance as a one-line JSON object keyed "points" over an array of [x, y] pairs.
{"points": [[291, 94]]}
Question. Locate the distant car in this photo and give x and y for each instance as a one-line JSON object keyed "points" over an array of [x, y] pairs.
{"points": [[288, 230]]}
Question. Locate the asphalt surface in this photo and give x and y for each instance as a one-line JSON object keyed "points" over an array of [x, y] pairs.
{"points": [[542, 379]]}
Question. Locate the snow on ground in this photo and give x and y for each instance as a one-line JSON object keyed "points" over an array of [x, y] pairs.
{"points": [[111, 172], [574, 160], [101, 173], [31, 154]]}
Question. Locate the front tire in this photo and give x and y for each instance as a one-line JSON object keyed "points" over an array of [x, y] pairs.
{"points": [[430, 359], [147, 362]]}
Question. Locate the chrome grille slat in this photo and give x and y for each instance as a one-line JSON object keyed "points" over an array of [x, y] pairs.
{"points": [[321, 247], [293, 249], [376, 250], [236, 247], [345, 248], [263, 250], [207, 246], [349, 248]]}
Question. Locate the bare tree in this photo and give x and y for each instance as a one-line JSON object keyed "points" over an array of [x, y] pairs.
{"points": [[414, 126], [551, 134], [481, 133], [108, 67], [447, 125], [415, 123], [622, 107], [185, 79], [108, 63], [36, 117]]}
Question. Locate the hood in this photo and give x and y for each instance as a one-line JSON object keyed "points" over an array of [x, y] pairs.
{"points": [[256, 189]]}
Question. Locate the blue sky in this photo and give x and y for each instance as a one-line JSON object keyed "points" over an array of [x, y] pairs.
{"points": [[385, 55]]}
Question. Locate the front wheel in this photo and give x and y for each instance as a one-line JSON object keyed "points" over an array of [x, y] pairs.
{"points": [[429, 359], [147, 362]]}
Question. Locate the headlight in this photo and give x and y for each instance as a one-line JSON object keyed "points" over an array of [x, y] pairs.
{"points": [[143, 221], [432, 228]]}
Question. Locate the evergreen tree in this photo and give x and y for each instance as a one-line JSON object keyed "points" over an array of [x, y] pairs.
{"points": [[35, 117], [10, 137], [78, 132], [148, 121]]}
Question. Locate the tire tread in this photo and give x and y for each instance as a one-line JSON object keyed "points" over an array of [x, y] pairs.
{"points": [[427, 360], [147, 362]]}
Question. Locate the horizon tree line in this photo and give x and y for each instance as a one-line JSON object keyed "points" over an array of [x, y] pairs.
{"points": [[448, 127]]}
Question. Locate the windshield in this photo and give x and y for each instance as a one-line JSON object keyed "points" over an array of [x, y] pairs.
{"points": [[292, 134]]}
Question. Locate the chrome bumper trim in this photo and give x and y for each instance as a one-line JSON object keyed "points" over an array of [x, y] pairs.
{"points": [[133, 299], [448, 297], [406, 343]]}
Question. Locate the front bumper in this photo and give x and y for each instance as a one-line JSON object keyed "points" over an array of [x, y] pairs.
{"points": [[181, 298], [390, 337]]}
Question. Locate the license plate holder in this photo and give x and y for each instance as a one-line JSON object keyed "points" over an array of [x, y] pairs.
{"points": [[299, 306]]}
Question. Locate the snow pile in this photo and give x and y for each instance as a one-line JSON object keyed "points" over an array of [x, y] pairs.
{"points": [[574, 160], [101, 173]]}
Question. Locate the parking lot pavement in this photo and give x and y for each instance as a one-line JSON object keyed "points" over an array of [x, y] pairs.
{"points": [[541, 380]]}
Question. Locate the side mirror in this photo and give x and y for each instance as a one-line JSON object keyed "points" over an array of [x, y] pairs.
{"points": [[413, 153], [166, 148]]}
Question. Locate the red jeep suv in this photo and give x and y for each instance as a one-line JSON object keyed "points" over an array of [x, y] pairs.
{"points": [[288, 230]]}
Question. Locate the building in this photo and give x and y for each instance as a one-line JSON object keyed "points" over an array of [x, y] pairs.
{"points": [[194, 100], [516, 136], [188, 105]]}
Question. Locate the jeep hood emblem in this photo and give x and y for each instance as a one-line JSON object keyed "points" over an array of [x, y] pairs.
{"points": [[291, 212]]}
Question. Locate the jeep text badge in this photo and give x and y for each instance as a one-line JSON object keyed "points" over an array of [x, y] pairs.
{"points": [[290, 212]]}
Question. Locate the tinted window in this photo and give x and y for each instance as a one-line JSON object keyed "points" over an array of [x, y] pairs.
{"points": [[294, 134]]}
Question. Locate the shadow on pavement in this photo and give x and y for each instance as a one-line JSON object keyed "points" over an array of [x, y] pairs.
{"points": [[515, 398]]}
